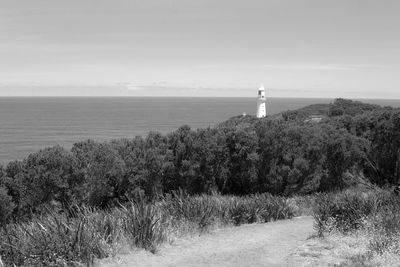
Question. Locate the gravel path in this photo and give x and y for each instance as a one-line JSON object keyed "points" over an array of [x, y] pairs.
{"points": [[269, 244]]}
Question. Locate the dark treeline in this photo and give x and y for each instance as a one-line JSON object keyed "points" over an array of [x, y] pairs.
{"points": [[283, 155]]}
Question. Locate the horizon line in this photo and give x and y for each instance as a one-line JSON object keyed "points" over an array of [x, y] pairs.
{"points": [[151, 96]]}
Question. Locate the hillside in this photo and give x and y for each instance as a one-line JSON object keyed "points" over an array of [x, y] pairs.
{"points": [[338, 107], [245, 157]]}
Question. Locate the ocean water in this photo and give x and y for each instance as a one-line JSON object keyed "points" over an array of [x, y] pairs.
{"points": [[29, 124]]}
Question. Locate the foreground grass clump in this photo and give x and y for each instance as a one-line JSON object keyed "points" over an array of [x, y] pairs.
{"points": [[58, 239], [54, 240], [345, 211], [384, 228], [371, 216]]}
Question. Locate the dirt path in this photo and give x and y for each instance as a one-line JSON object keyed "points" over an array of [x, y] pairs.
{"points": [[267, 244]]}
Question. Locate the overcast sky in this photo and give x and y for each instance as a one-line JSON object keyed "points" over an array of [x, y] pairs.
{"points": [[296, 48]]}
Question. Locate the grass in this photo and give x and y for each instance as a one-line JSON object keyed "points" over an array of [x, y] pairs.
{"points": [[345, 211], [369, 217], [57, 239]]}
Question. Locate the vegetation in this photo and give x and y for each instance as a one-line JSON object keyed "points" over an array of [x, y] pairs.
{"points": [[345, 211], [59, 240], [240, 156], [372, 215], [127, 186]]}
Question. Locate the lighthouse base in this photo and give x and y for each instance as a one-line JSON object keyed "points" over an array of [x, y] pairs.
{"points": [[261, 111]]}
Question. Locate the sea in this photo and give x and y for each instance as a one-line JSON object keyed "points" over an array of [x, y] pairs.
{"points": [[28, 124]]}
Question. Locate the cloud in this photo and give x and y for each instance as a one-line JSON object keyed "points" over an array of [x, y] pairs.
{"points": [[318, 67], [308, 67], [293, 90], [162, 89], [132, 87], [295, 67]]}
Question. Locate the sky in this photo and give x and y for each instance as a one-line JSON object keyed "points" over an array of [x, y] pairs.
{"points": [[224, 48]]}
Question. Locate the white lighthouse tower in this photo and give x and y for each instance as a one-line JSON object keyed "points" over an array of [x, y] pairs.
{"points": [[261, 110]]}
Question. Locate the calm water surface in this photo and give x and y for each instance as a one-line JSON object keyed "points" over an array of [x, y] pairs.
{"points": [[28, 124]]}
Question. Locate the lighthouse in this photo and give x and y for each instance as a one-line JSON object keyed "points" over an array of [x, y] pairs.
{"points": [[261, 110]]}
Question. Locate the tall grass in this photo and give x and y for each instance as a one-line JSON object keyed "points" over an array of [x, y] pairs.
{"points": [[60, 240], [54, 240], [384, 228], [372, 215], [143, 225], [205, 210], [345, 211]]}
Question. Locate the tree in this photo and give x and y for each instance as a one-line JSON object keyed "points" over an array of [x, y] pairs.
{"points": [[103, 171], [345, 106], [6, 206], [343, 153], [180, 171], [45, 177], [154, 163], [242, 144]]}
